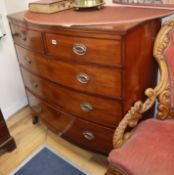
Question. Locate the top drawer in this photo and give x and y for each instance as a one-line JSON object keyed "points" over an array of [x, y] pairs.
{"points": [[99, 51], [28, 38]]}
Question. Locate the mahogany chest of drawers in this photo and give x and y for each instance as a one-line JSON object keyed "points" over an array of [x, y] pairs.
{"points": [[81, 81], [7, 142]]}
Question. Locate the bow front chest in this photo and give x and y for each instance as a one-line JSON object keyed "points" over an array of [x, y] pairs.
{"points": [[80, 81]]}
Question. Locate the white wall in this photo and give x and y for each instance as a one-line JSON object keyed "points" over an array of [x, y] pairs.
{"points": [[13, 6], [12, 94], [27, 1]]}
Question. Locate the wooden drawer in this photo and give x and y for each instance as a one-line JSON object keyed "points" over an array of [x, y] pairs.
{"points": [[100, 110], [4, 134], [94, 136], [91, 50], [56, 121], [103, 81], [87, 134], [27, 38]]}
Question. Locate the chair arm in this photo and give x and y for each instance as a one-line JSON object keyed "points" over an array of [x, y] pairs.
{"points": [[132, 117]]}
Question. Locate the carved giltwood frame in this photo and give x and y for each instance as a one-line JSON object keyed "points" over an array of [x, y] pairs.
{"points": [[161, 92]]}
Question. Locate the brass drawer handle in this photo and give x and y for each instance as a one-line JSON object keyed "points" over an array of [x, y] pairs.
{"points": [[86, 107], [22, 36], [83, 78], [88, 135], [28, 60], [34, 84], [79, 49]]}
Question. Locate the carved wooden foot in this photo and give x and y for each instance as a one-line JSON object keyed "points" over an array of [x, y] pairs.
{"points": [[35, 120]]}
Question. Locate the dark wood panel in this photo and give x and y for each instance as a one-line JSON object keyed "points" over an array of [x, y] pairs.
{"points": [[28, 38], [99, 51], [96, 109], [6, 141], [102, 81], [4, 134]]}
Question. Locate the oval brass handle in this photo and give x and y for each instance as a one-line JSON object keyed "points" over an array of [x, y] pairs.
{"points": [[28, 60], [83, 78], [34, 84], [79, 49], [22, 36], [86, 107], [88, 135]]}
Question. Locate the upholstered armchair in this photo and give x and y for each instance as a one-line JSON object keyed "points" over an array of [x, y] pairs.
{"points": [[148, 149]]}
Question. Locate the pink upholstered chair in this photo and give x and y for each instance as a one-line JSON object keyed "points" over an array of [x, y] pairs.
{"points": [[149, 148]]}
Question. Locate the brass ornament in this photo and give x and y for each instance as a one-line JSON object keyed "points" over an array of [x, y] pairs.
{"points": [[80, 4]]}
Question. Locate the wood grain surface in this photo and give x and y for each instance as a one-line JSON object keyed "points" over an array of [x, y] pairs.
{"points": [[115, 64]]}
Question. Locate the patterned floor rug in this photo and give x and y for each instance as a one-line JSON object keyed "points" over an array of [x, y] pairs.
{"points": [[47, 162]]}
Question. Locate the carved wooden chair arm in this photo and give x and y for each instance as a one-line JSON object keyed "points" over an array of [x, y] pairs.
{"points": [[132, 117], [161, 93]]}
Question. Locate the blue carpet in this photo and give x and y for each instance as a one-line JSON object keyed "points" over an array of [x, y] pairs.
{"points": [[46, 162]]}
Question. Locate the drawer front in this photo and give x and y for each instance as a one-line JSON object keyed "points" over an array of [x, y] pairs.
{"points": [[102, 81], [100, 51], [56, 121], [28, 38], [86, 134], [4, 134], [100, 110], [91, 135]]}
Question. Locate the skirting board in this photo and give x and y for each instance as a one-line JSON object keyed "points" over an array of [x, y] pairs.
{"points": [[13, 108]]}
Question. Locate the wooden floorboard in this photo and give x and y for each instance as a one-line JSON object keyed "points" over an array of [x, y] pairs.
{"points": [[31, 137]]}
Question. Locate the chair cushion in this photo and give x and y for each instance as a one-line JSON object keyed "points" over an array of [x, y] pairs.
{"points": [[150, 150]]}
